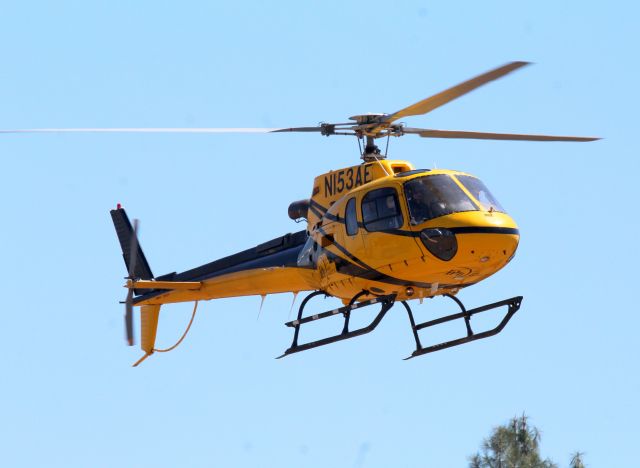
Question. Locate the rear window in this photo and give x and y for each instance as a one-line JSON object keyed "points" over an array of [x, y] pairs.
{"points": [[351, 221], [381, 210]]}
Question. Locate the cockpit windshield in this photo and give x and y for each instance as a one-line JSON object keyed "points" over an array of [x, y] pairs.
{"points": [[480, 193], [433, 196], [438, 195]]}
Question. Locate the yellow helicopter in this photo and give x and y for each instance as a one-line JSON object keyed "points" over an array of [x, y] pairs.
{"points": [[378, 233]]}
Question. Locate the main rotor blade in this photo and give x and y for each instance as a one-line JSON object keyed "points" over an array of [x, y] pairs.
{"points": [[448, 95], [324, 128], [141, 130], [297, 129], [461, 134]]}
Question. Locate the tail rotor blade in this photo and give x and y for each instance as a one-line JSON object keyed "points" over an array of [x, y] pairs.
{"points": [[128, 318], [133, 251], [133, 259]]}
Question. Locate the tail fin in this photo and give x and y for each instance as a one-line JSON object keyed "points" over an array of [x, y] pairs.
{"points": [[125, 234]]}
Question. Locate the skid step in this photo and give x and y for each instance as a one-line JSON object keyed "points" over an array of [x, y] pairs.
{"points": [[333, 312]]}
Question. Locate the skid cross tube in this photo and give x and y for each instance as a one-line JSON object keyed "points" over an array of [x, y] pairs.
{"points": [[386, 302], [512, 304]]}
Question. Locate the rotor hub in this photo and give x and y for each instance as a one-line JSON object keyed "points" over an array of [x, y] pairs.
{"points": [[369, 118]]}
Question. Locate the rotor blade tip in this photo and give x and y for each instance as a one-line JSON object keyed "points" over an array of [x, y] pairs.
{"points": [[521, 63]]}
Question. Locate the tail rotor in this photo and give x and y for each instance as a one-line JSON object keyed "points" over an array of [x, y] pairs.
{"points": [[128, 304]]}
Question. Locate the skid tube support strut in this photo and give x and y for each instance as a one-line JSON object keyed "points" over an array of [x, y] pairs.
{"points": [[386, 301], [512, 305]]}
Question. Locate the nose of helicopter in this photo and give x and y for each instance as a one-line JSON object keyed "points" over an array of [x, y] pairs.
{"points": [[486, 240], [481, 242]]}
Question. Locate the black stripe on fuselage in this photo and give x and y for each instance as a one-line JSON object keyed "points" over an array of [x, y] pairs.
{"points": [[317, 208], [315, 211], [456, 230], [484, 230], [355, 260]]}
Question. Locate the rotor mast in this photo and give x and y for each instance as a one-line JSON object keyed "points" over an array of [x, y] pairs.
{"points": [[367, 127], [371, 150]]}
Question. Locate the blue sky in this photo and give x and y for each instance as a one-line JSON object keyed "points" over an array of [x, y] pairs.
{"points": [[569, 358]]}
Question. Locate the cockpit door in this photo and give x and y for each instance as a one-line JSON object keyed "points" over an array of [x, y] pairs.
{"points": [[386, 235]]}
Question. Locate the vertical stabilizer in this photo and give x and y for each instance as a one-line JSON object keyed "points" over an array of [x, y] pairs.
{"points": [[124, 230]]}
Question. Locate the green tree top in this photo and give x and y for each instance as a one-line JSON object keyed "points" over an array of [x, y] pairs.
{"points": [[576, 461], [516, 445]]}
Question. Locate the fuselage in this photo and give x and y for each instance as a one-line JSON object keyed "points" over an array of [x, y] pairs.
{"points": [[382, 227]]}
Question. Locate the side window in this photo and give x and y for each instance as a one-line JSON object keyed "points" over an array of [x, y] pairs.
{"points": [[381, 210], [351, 220]]}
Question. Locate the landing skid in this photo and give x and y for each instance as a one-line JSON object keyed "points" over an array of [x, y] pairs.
{"points": [[512, 304], [387, 302]]}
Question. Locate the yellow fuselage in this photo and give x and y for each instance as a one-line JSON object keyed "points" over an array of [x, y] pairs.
{"points": [[382, 261]]}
